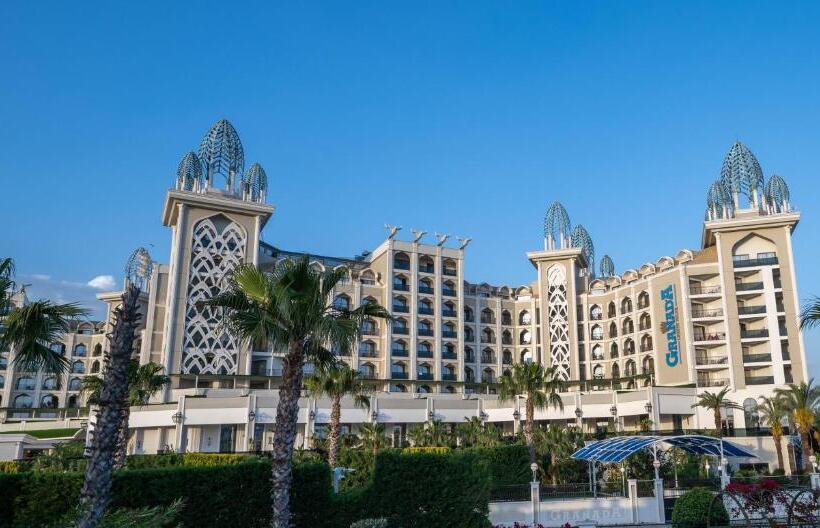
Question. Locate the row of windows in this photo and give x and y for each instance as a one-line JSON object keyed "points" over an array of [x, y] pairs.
{"points": [[630, 369], [50, 383], [48, 401], [596, 312]]}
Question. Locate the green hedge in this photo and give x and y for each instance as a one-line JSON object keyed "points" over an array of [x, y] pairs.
{"points": [[693, 507], [186, 459], [422, 490], [507, 464]]}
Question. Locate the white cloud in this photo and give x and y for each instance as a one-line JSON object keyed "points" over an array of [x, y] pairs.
{"points": [[40, 276], [102, 282]]}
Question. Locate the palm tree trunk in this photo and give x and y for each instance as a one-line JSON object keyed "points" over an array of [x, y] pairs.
{"points": [[285, 435], [718, 422], [528, 428], [333, 434], [122, 438], [805, 445], [96, 491], [779, 448], [553, 467]]}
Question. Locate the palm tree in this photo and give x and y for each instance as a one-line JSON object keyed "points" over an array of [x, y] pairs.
{"points": [[470, 431], [715, 402], [773, 411], [539, 386], [6, 284], [418, 436], [143, 382], [371, 436], [559, 443], [801, 401], [96, 492], [289, 309], [810, 314], [336, 380]]}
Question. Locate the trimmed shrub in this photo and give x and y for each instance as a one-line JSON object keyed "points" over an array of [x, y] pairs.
{"points": [[692, 509], [10, 487], [432, 449], [421, 490], [370, 523], [185, 459], [507, 464], [13, 466]]}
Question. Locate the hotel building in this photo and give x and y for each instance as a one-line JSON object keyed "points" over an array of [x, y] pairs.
{"points": [[636, 344]]}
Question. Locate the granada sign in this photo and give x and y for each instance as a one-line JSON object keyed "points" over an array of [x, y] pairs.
{"points": [[671, 321]]}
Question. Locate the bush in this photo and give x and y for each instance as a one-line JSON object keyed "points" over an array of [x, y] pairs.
{"points": [[186, 459], [10, 487], [431, 449], [370, 523], [507, 464], [692, 508], [13, 466], [425, 489]]}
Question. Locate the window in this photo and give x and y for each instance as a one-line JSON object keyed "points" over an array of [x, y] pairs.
{"points": [[399, 348], [367, 371], [49, 401], [598, 372], [524, 318], [75, 384], [401, 261], [23, 401], [342, 302], [740, 258], [2, 381], [97, 350], [595, 312], [78, 367], [51, 383], [750, 413], [597, 332], [25, 383], [597, 353], [368, 278], [367, 349], [611, 310], [4, 362], [766, 254], [506, 318], [79, 350]]}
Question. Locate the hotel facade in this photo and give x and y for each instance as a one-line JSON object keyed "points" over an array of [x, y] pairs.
{"points": [[631, 345]]}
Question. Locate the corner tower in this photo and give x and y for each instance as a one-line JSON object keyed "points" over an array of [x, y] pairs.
{"points": [[216, 212]]}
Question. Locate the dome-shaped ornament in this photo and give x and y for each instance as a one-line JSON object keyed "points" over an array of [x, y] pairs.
{"points": [[607, 267], [719, 202], [138, 269], [189, 172], [777, 195], [222, 154], [741, 173], [256, 182], [556, 226], [579, 238]]}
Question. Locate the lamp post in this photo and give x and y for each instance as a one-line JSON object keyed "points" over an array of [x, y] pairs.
{"points": [[579, 414], [623, 478], [815, 477], [614, 412], [535, 494], [648, 408], [707, 467]]}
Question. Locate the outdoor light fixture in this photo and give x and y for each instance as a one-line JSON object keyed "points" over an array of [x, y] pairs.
{"points": [[578, 413], [813, 460], [648, 407], [516, 415], [534, 469], [251, 415], [430, 415], [87, 451], [483, 416], [312, 414], [177, 417], [613, 410], [374, 415]]}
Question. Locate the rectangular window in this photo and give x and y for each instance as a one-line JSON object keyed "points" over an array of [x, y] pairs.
{"points": [[768, 254], [740, 258]]}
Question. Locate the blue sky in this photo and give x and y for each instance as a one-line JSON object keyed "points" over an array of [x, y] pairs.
{"points": [[457, 117]]}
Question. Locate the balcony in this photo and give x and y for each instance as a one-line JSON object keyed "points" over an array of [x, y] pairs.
{"points": [[716, 336], [398, 375], [469, 358], [487, 320], [449, 355], [596, 317], [401, 264], [757, 358], [715, 382], [748, 286], [401, 309], [448, 377], [398, 352], [754, 334], [759, 380], [748, 263], [598, 337], [401, 330], [425, 311], [424, 354], [711, 360], [426, 332], [487, 340], [751, 310], [646, 348], [705, 314], [449, 313], [370, 331], [643, 306], [469, 318], [488, 379], [427, 269], [648, 371], [449, 293], [506, 341], [450, 272], [704, 290], [369, 375], [426, 290], [368, 354], [424, 376], [449, 334], [488, 359], [401, 287]]}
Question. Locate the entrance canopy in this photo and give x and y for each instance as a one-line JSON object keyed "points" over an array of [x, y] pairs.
{"points": [[618, 448]]}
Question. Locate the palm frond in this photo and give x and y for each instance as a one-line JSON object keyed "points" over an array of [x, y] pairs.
{"points": [[810, 314]]}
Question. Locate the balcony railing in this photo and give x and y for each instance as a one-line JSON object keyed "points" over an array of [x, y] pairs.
{"points": [[401, 287], [399, 352], [401, 264], [370, 331], [751, 310], [596, 317], [449, 355], [449, 313], [747, 263], [425, 311], [487, 320], [759, 380], [400, 308], [506, 360], [754, 334], [450, 272], [449, 334], [368, 353], [712, 382], [487, 340], [426, 289], [427, 269], [596, 337], [748, 286], [448, 377], [714, 360], [704, 290], [469, 318], [487, 379], [646, 348], [401, 330], [399, 375], [424, 376], [716, 336], [449, 293], [757, 358], [426, 332], [369, 375], [488, 359], [717, 312], [506, 341], [424, 354]]}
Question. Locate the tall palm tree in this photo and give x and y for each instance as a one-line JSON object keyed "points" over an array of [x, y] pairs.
{"points": [[371, 436], [336, 380], [802, 402], [144, 381], [539, 386], [559, 443], [773, 411], [96, 492], [32, 328], [715, 402], [810, 314], [290, 310]]}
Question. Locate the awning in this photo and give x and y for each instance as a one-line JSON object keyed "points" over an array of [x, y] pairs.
{"points": [[618, 448]]}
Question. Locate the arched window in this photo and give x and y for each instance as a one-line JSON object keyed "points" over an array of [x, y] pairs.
{"points": [[49, 401], [425, 328], [487, 336], [524, 338], [449, 289], [610, 312], [367, 277], [646, 343], [425, 306], [423, 370], [426, 286], [643, 300], [78, 367], [616, 371], [488, 375], [469, 375], [597, 353], [613, 329], [423, 389], [399, 387], [399, 348], [400, 326], [468, 314], [341, 302], [449, 389], [469, 356], [401, 261], [630, 369], [506, 338], [487, 316], [449, 267], [51, 383], [97, 350], [23, 401], [598, 372], [468, 334], [506, 318], [613, 350], [426, 264], [80, 350], [750, 413], [626, 305], [448, 372], [597, 332], [648, 366], [629, 347], [506, 356], [367, 371], [24, 383], [367, 349], [95, 367], [369, 327], [400, 283], [488, 355], [595, 312], [645, 321], [526, 356], [448, 330], [524, 317], [75, 384], [73, 402], [398, 368], [627, 326]]}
